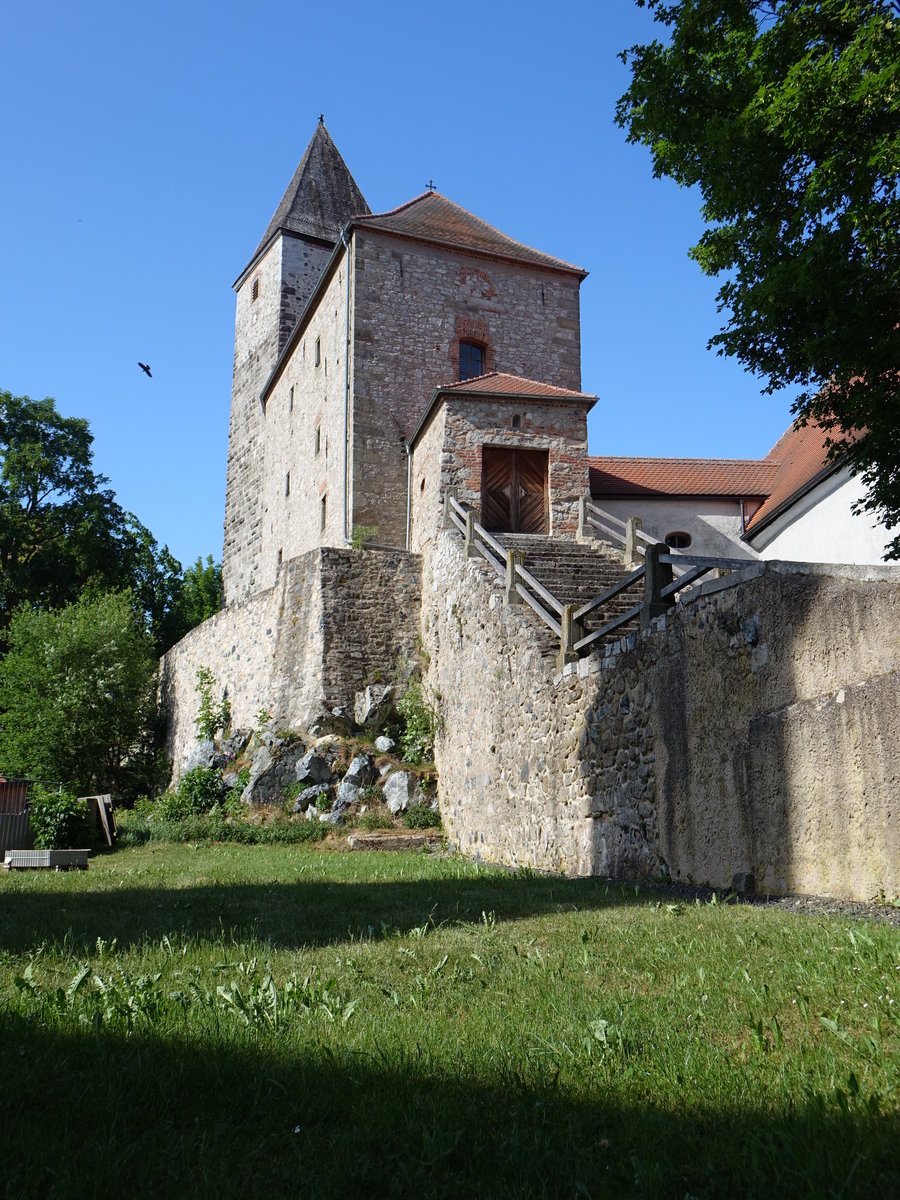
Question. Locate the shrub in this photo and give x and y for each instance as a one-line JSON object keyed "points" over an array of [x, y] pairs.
{"points": [[421, 817], [212, 716], [376, 818], [232, 802], [58, 819], [417, 735], [78, 698], [200, 789]]}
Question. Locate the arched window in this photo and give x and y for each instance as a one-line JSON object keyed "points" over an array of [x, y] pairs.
{"points": [[471, 360]]}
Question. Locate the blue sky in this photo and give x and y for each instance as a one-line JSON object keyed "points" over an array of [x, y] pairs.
{"points": [[145, 149]]}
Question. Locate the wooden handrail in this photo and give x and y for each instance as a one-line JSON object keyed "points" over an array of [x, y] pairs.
{"points": [[539, 609], [701, 560], [491, 541], [601, 512], [610, 626], [539, 588], [684, 581], [604, 597]]}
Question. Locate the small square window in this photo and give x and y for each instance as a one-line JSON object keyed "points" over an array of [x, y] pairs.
{"points": [[471, 360]]}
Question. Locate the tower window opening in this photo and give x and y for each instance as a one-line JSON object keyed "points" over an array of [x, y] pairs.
{"points": [[287, 484], [323, 511], [291, 399], [318, 352], [471, 360], [517, 422], [254, 289], [318, 442]]}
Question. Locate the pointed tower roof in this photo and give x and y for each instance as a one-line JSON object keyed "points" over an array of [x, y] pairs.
{"points": [[320, 198], [433, 218]]}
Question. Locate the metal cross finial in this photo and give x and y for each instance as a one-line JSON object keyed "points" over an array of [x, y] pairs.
{"points": [[321, 118], [431, 186]]}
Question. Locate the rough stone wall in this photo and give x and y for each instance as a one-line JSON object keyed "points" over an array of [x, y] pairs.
{"points": [[291, 520], [286, 275], [468, 424], [413, 304], [751, 730], [337, 620]]}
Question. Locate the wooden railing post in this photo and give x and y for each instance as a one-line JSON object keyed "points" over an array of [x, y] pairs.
{"points": [[514, 558], [572, 632], [471, 548], [632, 550], [450, 494], [657, 576], [585, 528]]}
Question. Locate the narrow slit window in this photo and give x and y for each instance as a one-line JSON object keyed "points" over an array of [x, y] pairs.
{"points": [[318, 439], [323, 510], [291, 399], [254, 289], [318, 352], [287, 484]]}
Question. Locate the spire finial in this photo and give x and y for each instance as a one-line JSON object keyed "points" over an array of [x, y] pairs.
{"points": [[430, 186], [321, 118]]}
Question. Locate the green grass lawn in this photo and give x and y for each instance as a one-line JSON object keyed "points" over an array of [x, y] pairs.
{"points": [[243, 1021]]}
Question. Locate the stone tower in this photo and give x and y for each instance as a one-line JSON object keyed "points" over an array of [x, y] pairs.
{"points": [[272, 291]]}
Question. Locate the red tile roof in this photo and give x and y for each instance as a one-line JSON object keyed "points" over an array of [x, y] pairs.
{"points": [[496, 383], [800, 456], [681, 476], [431, 217]]}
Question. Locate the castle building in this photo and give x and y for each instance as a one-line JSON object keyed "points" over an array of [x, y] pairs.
{"points": [[349, 325]]}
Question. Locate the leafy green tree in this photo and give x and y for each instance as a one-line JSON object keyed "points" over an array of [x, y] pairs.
{"points": [[77, 696], [201, 592], [62, 531], [786, 115]]}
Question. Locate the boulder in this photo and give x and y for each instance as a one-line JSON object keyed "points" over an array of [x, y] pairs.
{"points": [[319, 721], [402, 791], [348, 793], [273, 770], [334, 817], [309, 798], [361, 771], [236, 742], [374, 706], [384, 744], [205, 754], [313, 768]]}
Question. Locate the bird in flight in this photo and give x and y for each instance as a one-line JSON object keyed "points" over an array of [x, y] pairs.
{"points": [[145, 369]]}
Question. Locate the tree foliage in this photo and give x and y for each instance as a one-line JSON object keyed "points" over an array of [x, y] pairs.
{"points": [[62, 531], [786, 116], [77, 696]]}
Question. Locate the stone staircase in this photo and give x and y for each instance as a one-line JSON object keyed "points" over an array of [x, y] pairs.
{"points": [[574, 572]]}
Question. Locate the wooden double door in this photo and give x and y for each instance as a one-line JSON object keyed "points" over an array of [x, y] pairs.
{"points": [[514, 490]]}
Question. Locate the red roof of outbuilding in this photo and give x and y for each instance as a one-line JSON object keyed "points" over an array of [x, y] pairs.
{"points": [[496, 383], [431, 217], [681, 476], [800, 456]]}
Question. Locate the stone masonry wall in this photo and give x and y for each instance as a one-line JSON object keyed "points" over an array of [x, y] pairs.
{"points": [[308, 399], [285, 277], [413, 305], [337, 620], [753, 729], [467, 424]]}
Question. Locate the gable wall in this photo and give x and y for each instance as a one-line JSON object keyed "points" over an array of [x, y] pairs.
{"points": [[413, 304]]}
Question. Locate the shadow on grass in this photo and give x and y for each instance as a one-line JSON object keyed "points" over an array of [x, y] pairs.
{"points": [[289, 915], [100, 1114]]}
